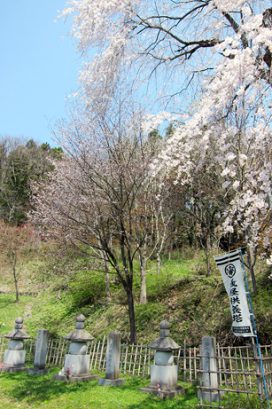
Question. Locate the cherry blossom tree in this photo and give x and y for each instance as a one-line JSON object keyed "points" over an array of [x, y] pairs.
{"points": [[233, 112], [165, 36], [153, 215], [98, 194], [224, 48]]}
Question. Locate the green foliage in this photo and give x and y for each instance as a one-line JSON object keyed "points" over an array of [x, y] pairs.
{"points": [[172, 271], [194, 304], [53, 311], [19, 166], [87, 287], [234, 401], [148, 314], [11, 310], [55, 153], [154, 135], [169, 130], [262, 306]]}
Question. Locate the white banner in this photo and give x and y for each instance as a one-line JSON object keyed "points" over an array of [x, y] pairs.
{"points": [[231, 269]]}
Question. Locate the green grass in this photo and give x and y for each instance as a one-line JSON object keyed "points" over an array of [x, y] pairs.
{"points": [[172, 272], [196, 305], [234, 401], [21, 391], [11, 310]]}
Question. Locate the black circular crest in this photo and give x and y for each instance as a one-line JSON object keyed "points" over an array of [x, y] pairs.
{"points": [[230, 270]]}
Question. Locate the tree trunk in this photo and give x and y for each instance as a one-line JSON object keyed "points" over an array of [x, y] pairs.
{"points": [[131, 313], [108, 293], [107, 281], [171, 246], [14, 262], [208, 261], [158, 263], [143, 293], [206, 245], [251, 262]]}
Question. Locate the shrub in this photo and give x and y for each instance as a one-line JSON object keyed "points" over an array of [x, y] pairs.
{"points": [[148, 313], [242, 402], [87, 287]]}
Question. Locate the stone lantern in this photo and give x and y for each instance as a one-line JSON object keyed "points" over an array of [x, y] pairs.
{"points": [[164, 373], [77, 362], [14, 356]]}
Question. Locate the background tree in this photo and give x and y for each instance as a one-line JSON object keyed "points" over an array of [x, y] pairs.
{"points": [[14, 241], [20, 164]]}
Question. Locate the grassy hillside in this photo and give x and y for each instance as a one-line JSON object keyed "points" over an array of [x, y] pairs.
{"points": [[62, 287]]}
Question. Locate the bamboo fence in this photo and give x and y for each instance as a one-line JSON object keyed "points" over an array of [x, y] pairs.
{"points": [[238, 369]]}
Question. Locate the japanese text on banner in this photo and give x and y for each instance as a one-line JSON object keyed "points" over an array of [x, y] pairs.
{"points": [[232, 273]]}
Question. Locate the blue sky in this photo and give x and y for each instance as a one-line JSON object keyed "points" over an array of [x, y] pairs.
{"points": [[39, 67]]}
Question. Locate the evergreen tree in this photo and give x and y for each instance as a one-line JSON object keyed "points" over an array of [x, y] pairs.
{"points": [[18, 167]]}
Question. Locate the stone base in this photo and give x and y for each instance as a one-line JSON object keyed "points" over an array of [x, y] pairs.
{"points": [[77, 365], [81, 378], [37, 371], [7, 368], [14, 358], [210, 396], [164, 392], [164, 375], [110, 382]]}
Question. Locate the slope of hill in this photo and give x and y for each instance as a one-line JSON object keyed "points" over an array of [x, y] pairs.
{"points": [[196, 305]]}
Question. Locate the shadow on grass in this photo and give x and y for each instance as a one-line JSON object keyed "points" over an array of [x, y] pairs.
{"points": [[188, 400], [6, 303], [40, 388], [34, 389]]}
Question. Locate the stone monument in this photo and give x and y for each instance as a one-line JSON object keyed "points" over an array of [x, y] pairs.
{"points": [[77, 362], [208, 389], [14, 356], [164, 373], [41, 346], [112, 377]]}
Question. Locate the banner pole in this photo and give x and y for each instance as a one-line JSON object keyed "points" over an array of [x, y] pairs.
{"points": [[255, 339]]}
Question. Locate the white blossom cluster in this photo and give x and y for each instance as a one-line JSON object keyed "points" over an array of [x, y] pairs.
{"points": [[233, 119], [93, 18], [103, 25], [228, 5], [232, 116]]}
